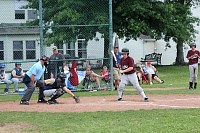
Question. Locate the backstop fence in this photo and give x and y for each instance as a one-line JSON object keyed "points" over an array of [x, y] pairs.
{"points": [[80, 29]]}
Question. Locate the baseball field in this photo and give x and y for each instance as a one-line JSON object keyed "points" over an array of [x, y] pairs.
{"points": [[172, 108]]}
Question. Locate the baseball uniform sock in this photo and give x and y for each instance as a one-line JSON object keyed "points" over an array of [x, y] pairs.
{"points": [[143, 94], [190, 85], [195, 85]]}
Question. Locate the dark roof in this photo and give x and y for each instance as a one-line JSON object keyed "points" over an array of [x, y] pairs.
{"points": [[17, 29]]}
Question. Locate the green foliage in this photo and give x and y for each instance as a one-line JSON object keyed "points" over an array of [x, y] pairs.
{"points": [[67, 19], [169, 19]]}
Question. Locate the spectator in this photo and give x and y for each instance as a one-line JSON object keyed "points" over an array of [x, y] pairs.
{"points": [[105, 74], [2, 78], [32, 79], [140, 75], [116, 67], [90, 76], [56, 66], [150, 72], [17, 75], [193, 56]]}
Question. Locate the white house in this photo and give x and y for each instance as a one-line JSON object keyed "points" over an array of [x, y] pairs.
{"points": [[22, 44]]}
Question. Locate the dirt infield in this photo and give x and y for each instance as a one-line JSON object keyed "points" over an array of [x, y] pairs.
{"points": [[108, 103]]}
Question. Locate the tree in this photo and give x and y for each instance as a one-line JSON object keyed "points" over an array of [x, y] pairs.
{"points": [[169, 19], [72, 19]]}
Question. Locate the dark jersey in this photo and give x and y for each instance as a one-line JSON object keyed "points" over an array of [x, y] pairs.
{"points": [[194, 60], [126, 63]]}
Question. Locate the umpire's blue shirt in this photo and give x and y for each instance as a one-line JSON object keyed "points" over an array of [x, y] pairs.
{"points": [[37, 70]]}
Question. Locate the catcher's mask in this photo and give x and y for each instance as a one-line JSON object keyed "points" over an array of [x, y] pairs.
{"points": [[62, 76]]}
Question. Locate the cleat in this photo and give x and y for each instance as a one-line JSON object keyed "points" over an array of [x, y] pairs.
{"points": [[119, 99], [190, 88], [146, 99], [162, 81], [6, 91], [42, 101], [54, 100], [51, 102], [24, 102]]}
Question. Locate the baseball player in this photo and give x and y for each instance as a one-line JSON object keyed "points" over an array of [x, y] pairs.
{"points": [[193, 56], [55, 88], [128, 72]]}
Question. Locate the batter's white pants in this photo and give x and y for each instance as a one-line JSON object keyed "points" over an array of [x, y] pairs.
{"points": [[132, 78]]}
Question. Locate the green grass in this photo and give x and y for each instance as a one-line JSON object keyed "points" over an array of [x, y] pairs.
{"points": [[135, 121], [140, 121]]}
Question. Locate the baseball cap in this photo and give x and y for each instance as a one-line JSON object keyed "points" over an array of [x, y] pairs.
{"points": [[54, 48], [116, 47], [44, 58]]}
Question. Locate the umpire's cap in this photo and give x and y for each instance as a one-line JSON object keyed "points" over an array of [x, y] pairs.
{"points": [[192, 44], [125, 51], [44, 58]]}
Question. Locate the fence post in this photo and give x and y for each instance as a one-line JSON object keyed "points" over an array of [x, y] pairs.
{"points": [[111, 42], [41, 29]]}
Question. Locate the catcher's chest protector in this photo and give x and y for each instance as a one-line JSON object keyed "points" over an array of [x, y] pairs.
{"points": [[73, 74]]}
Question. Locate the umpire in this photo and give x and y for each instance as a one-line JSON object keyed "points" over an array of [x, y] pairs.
{"points": [[32, 80]]}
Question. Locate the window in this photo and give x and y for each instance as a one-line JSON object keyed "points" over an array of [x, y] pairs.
{"points": [[1, 50], [17, 50], [32, 14], [70, 49], [82, 48], [30, 49], [19, 14]]}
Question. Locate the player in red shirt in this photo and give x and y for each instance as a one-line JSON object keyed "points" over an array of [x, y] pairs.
{"points": [[128, 75], [193, 56]]}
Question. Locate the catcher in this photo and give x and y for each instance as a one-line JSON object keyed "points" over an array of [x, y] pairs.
{"points": [[55, 88]]}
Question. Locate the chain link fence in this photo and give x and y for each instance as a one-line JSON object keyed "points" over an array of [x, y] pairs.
{"points": [[79, 29]]}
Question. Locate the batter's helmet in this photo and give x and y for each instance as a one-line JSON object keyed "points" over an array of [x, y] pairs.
{"points": [[125, 51], [192, 44]]}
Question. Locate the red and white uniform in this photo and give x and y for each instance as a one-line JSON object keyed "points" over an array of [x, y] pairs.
{"points": [[129, 76]]}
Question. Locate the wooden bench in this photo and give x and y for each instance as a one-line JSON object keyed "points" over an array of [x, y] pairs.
{"points": [[153, 57]]}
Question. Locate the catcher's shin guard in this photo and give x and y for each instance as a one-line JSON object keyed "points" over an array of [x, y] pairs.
{"points": [[58, 93]]}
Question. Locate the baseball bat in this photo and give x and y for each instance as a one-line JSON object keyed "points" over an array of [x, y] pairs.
{"points": [[114, 55]]}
